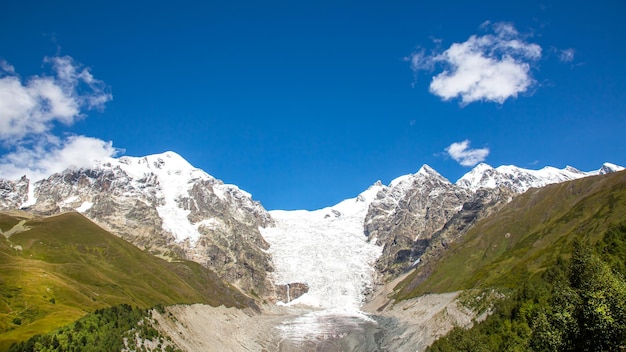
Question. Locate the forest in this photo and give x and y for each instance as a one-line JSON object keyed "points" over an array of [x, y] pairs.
{"points": [[578, 304], [108, 329]]}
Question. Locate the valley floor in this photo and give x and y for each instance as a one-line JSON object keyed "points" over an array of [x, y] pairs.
{"points": [[410, 325]]}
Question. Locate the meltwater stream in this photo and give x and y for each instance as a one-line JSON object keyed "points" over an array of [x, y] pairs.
{"points": [[327, 250]]}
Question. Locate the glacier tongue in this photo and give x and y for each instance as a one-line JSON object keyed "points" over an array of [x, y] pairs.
{"points": [[327, 250]]}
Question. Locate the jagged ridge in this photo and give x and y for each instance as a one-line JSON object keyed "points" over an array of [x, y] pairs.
{"points": [[415, 208]]}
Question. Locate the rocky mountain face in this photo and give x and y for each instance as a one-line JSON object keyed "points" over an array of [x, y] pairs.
{"points": [[405, 215], [166, 206], [422, 213]]}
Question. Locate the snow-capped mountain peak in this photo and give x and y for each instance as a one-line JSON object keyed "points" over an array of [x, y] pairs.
{"points": [[369, 195], [608, 168], [481, 175], [161, 203], [166, 205], [167, 164], [427, 171], [520, 180], [423, 174]]}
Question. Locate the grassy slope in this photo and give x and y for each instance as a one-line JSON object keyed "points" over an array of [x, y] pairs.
{"points": [[526, 236], [69, 266]]}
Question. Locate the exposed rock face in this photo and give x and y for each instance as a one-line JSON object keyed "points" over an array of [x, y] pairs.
{"points": [[406, 214], [424, 212], [289, 292], [162, 204], [13, 194], [482, 203]]}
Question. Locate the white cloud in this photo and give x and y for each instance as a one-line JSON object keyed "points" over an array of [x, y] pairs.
{"points": [[492, 67], [567, 55], [419, 61], [464, 155], [30, 108], [49, 156], [6, 67]]}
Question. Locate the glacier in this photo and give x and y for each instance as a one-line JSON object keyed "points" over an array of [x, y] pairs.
{"points": [[327, 250]]}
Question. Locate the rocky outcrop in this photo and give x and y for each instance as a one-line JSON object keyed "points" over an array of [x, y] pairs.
{"points": [[13, 194], [289, 292]]}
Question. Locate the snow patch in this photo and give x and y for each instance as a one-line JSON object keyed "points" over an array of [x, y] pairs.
{"points": [[211, 224], [31, 199], [398, 180], [69, 200], [84, 207]]}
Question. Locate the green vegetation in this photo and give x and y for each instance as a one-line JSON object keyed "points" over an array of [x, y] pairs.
{"points": [[57, 269], [575, 306], [109, 329], [558, 256]]}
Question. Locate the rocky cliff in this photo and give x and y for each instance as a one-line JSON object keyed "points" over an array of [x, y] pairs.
{"points": [[405, 215]]}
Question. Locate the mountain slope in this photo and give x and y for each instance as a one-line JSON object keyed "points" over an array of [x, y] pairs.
{"points": [[424, 212], [163, 204], [53, 270], [525, 237]]}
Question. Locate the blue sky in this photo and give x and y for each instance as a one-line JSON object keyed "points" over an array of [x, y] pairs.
{"points": [[304, 104]]}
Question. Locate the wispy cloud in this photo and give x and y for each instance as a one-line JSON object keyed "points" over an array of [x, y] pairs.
{"points": [[492, 67], [30, 109], [464, 155], [6, 67], [567, 55]]}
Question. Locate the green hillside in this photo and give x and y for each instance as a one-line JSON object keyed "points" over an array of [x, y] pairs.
{"points": [[54, 270], [556, 260], [525, 237]]}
